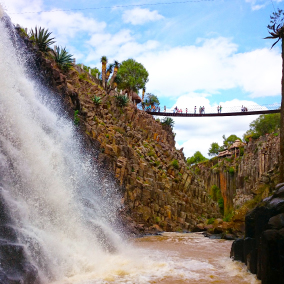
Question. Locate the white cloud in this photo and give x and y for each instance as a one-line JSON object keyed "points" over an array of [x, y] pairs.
{"points": [[197, 133], [213, 66], [63, 25], [139, 16], [259, 4], [120, 46]]}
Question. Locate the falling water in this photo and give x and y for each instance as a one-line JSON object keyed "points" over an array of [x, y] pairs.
{"points": [[63, 212], [59, 205]]}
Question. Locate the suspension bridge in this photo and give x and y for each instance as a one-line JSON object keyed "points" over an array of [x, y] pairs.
{"points": [[225, 111]]}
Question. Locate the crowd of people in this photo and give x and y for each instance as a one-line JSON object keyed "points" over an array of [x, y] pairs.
{"points": [[179, 110]]}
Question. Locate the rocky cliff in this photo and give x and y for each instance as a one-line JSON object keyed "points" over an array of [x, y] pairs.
{"points": [[159, 190]]}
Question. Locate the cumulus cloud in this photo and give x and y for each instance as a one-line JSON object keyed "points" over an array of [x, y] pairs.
{"points": [[212, 65], [120, 46], [197, 133], [64, 25], [139, 16]]}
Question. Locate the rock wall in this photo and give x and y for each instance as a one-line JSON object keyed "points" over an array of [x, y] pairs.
{"points": [[241, 178], [159, 190]]}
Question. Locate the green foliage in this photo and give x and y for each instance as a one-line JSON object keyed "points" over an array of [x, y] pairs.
{"points": [[133, 75], [231, 170], [104, 59], [97, 100], [152, 100], [62, 58], [83, 76], [175, 164], [227, 142], [214, 149], [228, 217], [196, 158], [151, 153], [94, 70], [242, 151], [265, 123], [76, 117], [210, 221], [168, 121], [107, 135], [41, 37], [121, 100]]}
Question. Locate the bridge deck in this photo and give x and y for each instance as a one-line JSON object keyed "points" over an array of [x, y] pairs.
{"points": [[214, 114]]}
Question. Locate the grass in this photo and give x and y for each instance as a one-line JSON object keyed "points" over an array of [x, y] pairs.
{"points": [[175, 164]]}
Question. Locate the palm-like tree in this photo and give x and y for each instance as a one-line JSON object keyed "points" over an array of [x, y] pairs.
{"points": [[109, 71], [168, 121], [41, 37], [143, 94], [116, 65], [104, 63], [276, 28], [62, 58]]}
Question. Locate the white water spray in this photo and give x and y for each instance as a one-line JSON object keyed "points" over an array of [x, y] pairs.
{"points": [[50, 186]]}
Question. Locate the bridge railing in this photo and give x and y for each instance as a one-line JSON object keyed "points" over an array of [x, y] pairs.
{"points": [[211, 110]]}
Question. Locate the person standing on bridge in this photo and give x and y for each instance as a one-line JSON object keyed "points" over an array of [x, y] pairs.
{"points": [[218, 109], [186, 110], [195, 110], [165, 109]]}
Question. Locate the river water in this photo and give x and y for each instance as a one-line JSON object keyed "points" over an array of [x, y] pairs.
{"points": [[167, 259]]}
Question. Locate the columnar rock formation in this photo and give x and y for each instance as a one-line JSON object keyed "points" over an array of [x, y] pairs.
{"points": [[242, 177]]}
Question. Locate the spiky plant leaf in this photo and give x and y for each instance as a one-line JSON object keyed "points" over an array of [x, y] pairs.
{"points": [[41, 37], [63, 58]]}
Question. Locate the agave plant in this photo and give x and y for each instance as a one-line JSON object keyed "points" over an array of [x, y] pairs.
{"points": [[121, 101], [62, 58], [168, 121], [97, 100], [41, 37]]}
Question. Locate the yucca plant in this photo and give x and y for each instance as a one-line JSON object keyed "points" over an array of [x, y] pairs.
{"points": [[276, 28], [97, 100], [41, 37], [121, 100], [104, 63], [168, 121], [62, 58], [116, 65], [109, 71]]}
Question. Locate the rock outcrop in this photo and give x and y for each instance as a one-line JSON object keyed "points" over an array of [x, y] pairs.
{"points": [[262, 249]]}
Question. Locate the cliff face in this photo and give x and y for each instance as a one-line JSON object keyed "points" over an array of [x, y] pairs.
{"points": [[159, 191], [240, 178]]}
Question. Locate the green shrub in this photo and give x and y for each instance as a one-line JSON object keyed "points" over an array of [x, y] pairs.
{"points": [[76, 117], [210, 221], [121, 100], [175, 164], [83, 76], [231, 170], [41, 37], [97, 100], [62, 58]]}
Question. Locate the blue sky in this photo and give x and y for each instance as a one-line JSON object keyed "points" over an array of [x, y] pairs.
{"points": [[197, 53]]}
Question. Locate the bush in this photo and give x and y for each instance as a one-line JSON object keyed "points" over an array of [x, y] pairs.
{"points": [[210, 221], [175, 164], [76, 118], [62, 58], [231, 170], [97, 100], [41, 38], [121, 101]]}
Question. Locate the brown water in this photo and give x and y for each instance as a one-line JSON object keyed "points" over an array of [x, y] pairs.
{"points": [[170, 258]]}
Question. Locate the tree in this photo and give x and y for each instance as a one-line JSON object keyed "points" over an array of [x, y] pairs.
{"points": [[196, 158], [229, 141], [41, 38], [133, 76], [265, 123], [276, 31], [116, 65], [152, 100], [214, 149], [104, 63]]}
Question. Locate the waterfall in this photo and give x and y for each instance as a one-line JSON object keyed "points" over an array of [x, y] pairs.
{"points": [[61, 209]]}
